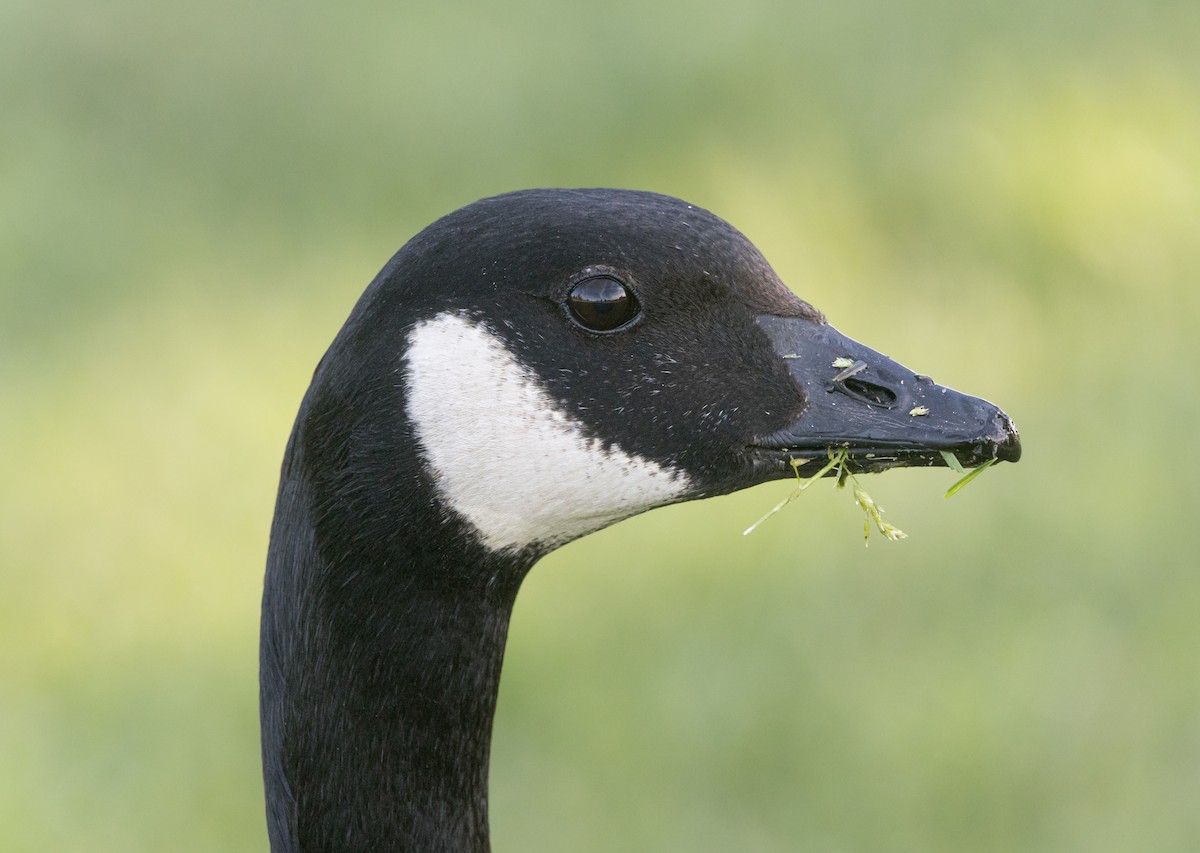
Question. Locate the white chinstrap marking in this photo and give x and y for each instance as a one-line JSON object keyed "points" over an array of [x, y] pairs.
{"points": [[502, 454]]}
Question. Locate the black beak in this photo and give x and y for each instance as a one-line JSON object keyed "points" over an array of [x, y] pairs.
{"points": [[883, 413]]}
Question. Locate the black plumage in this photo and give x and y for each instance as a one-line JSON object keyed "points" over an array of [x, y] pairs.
{"points": [[384, 612]]}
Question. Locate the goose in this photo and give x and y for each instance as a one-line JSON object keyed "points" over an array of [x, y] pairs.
{"points": [[524, 371]]}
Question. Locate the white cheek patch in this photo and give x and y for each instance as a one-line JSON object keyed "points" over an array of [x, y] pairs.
{"points": [[504, 456]]}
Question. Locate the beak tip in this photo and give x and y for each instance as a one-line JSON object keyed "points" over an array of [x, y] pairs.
{"points": [[1008, 447]]}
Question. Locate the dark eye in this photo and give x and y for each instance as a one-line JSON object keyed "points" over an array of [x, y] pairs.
{"points": [[602, 304]]}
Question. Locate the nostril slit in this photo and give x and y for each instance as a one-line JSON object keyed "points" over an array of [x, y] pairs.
{"points": [[870, 392]]}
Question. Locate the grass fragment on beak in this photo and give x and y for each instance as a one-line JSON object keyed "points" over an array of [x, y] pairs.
{"points": [[958, 487], [838, 459], [839, 463]]}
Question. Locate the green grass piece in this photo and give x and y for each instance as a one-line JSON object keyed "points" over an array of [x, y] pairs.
{"points": [[838, 459], [958, 487], [952, 461], [802, 484], [872, 511]]}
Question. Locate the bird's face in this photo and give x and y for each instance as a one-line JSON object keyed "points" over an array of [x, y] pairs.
{"points": [[582, 356]]}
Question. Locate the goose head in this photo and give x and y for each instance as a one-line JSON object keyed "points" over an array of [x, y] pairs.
{"points": [[526, 370]]}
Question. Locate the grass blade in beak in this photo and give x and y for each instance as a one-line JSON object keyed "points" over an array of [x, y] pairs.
{"points": [[958, 487], [834, 461], [952, 461]]}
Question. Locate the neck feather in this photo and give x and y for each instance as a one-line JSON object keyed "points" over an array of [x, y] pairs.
{"points": [[380, 665]]}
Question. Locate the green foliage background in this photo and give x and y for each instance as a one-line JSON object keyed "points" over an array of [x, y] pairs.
{"points": [[1005, 195]]}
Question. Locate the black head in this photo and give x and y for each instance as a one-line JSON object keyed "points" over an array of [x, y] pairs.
{"points": [[650, 329], [528, 369]]}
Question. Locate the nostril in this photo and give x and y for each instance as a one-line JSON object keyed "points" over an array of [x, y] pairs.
{"points": [[869, 391]]}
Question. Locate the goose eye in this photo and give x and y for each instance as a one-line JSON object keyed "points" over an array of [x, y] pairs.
{"points": [[602, 304]]}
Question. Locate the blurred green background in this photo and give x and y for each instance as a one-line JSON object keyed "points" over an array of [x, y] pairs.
{"points": [[1004, 195]]}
